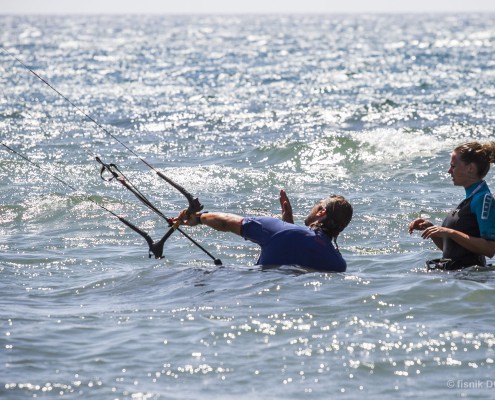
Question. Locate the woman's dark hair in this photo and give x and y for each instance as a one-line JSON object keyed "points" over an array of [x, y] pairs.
{"points": [[339, 214], [482, 155]]}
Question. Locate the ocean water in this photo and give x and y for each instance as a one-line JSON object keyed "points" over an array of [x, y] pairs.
{"points": [[234, 108]]}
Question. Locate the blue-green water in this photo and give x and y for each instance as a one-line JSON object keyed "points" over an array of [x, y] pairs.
{"points": [[235, 108]]}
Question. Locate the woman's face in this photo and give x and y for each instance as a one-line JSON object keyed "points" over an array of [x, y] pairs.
{"points": [[462, 174]]}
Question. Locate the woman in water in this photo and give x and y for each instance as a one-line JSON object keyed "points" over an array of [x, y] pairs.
{"points": [[467, 234]]}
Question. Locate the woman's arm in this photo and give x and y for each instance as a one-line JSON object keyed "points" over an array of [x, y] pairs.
{"points": [[474, 244]]}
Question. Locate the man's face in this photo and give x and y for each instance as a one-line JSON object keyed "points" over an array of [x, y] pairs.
{"points": [[315, 214]]}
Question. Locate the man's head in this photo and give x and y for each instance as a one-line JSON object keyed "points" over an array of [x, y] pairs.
{"points": [[331, 215]]}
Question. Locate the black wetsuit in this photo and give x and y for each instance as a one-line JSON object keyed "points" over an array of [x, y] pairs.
{"points": [[468, 217]]}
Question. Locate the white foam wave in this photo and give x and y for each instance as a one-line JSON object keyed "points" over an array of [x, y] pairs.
{"points": [[394, 145]]}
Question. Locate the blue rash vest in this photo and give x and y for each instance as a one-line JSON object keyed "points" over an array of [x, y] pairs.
{"points": [[483, 206], [283, 243], [474, 216]]}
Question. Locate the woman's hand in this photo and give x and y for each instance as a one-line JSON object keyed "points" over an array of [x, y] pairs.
{"points": [[419, 224]]}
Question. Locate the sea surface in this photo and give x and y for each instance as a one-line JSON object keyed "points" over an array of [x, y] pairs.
{"points": [[235, 108]]}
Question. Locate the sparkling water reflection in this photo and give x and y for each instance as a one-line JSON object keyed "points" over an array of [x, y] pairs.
{"points": [[235, 108]]}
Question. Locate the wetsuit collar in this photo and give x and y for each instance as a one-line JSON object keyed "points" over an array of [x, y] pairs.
{"points": [[474, 188]]}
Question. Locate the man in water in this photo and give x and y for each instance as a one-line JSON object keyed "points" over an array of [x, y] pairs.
{"points": [[283, 243]]}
